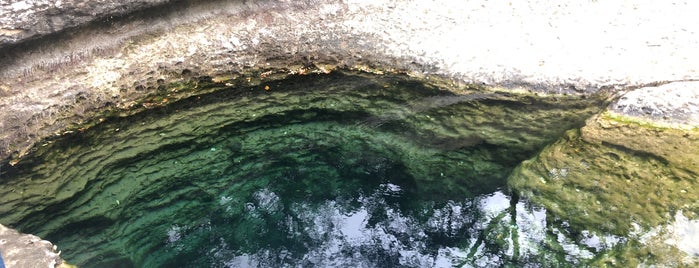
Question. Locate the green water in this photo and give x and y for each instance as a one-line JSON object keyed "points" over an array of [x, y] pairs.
{"points": [[344, 169]]}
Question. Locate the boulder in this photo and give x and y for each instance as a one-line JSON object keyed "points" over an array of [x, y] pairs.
{"points": [[24, 250]]}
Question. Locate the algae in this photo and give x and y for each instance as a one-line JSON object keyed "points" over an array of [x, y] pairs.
{"points": [[614, 177]]}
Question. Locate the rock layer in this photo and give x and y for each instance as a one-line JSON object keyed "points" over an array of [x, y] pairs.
{"points": [[25, 250], [48, 83], [62, 61]]}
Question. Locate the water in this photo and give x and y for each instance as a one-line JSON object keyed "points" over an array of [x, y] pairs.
{"points": [[341, 170]]}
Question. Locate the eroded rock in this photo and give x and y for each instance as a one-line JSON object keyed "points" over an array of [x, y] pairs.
{"points": [[25, 250], [632, 175], [674, 105], [47, 84], [24, 19], [50, 83]]}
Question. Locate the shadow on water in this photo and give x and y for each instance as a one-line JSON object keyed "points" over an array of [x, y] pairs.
{"points": [[333, 170]]}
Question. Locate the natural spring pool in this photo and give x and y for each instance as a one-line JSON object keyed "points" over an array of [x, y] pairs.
{"points": [[343, 170]]}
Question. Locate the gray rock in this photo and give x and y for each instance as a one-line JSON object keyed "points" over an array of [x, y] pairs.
{"points": [[25, 19], [122, 52], [674, 104], [25, 250]]}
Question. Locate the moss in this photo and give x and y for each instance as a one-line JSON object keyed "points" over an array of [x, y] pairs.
{"points": [[604, 186], [677, 147], [612, 175], [645, 123]]}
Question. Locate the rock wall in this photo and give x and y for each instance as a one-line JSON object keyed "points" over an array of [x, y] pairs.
{"points": [[21, 20], [91, 58], [61, 62]]}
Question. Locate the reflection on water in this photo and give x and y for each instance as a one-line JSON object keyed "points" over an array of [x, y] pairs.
{"points": [[366, 230], [682, 233], [370, 229]]}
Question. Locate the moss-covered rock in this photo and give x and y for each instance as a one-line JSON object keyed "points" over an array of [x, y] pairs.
{"points": [[616, 175]]}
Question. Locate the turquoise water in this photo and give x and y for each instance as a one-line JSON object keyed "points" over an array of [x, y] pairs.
{"points": [[342, 170]]}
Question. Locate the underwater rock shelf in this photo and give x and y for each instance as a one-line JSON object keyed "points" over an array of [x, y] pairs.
{"points": [[633, 181], [346, 166]]}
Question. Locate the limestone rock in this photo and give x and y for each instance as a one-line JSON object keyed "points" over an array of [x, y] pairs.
{"points": [[107, 61], [60, 79], [621, 174], [25, 19], [25, 250], [673, 104]]}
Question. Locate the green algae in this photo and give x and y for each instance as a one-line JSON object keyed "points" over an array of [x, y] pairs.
{"points": [[608, 186], [620, 177], [111, 194]]}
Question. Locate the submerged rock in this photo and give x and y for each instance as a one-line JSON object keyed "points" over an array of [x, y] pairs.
{"points": [[627, 172]]}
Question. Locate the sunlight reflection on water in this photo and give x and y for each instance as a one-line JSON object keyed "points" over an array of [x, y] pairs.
{"points": [[339, 235]]}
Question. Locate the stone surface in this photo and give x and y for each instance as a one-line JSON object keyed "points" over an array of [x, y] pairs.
{"points": [[616, 176], [24, 19], [516, 42], [63, 60], [572, 47], [25, 250], [674, 104]]}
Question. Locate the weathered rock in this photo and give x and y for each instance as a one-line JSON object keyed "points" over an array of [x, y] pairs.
{"points": [[25, 250], [24, 19], [64, 60], [674, 105], [629, 171], [47, 83]]}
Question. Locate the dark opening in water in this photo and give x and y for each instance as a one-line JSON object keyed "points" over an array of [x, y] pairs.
{"points": [[345, 169]]}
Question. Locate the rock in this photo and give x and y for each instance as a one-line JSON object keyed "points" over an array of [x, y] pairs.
{"points": [[629, 171], [25, 250], [65, 61], [673, 105], [647, 140], [620, 175], [25, 19], [122, 52]]}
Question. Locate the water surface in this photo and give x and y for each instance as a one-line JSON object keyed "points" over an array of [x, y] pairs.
{"points": [[342, 170]]}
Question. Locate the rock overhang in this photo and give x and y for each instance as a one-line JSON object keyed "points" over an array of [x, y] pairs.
{"points": [[112, 54], [576, 44], [124, 51]]}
